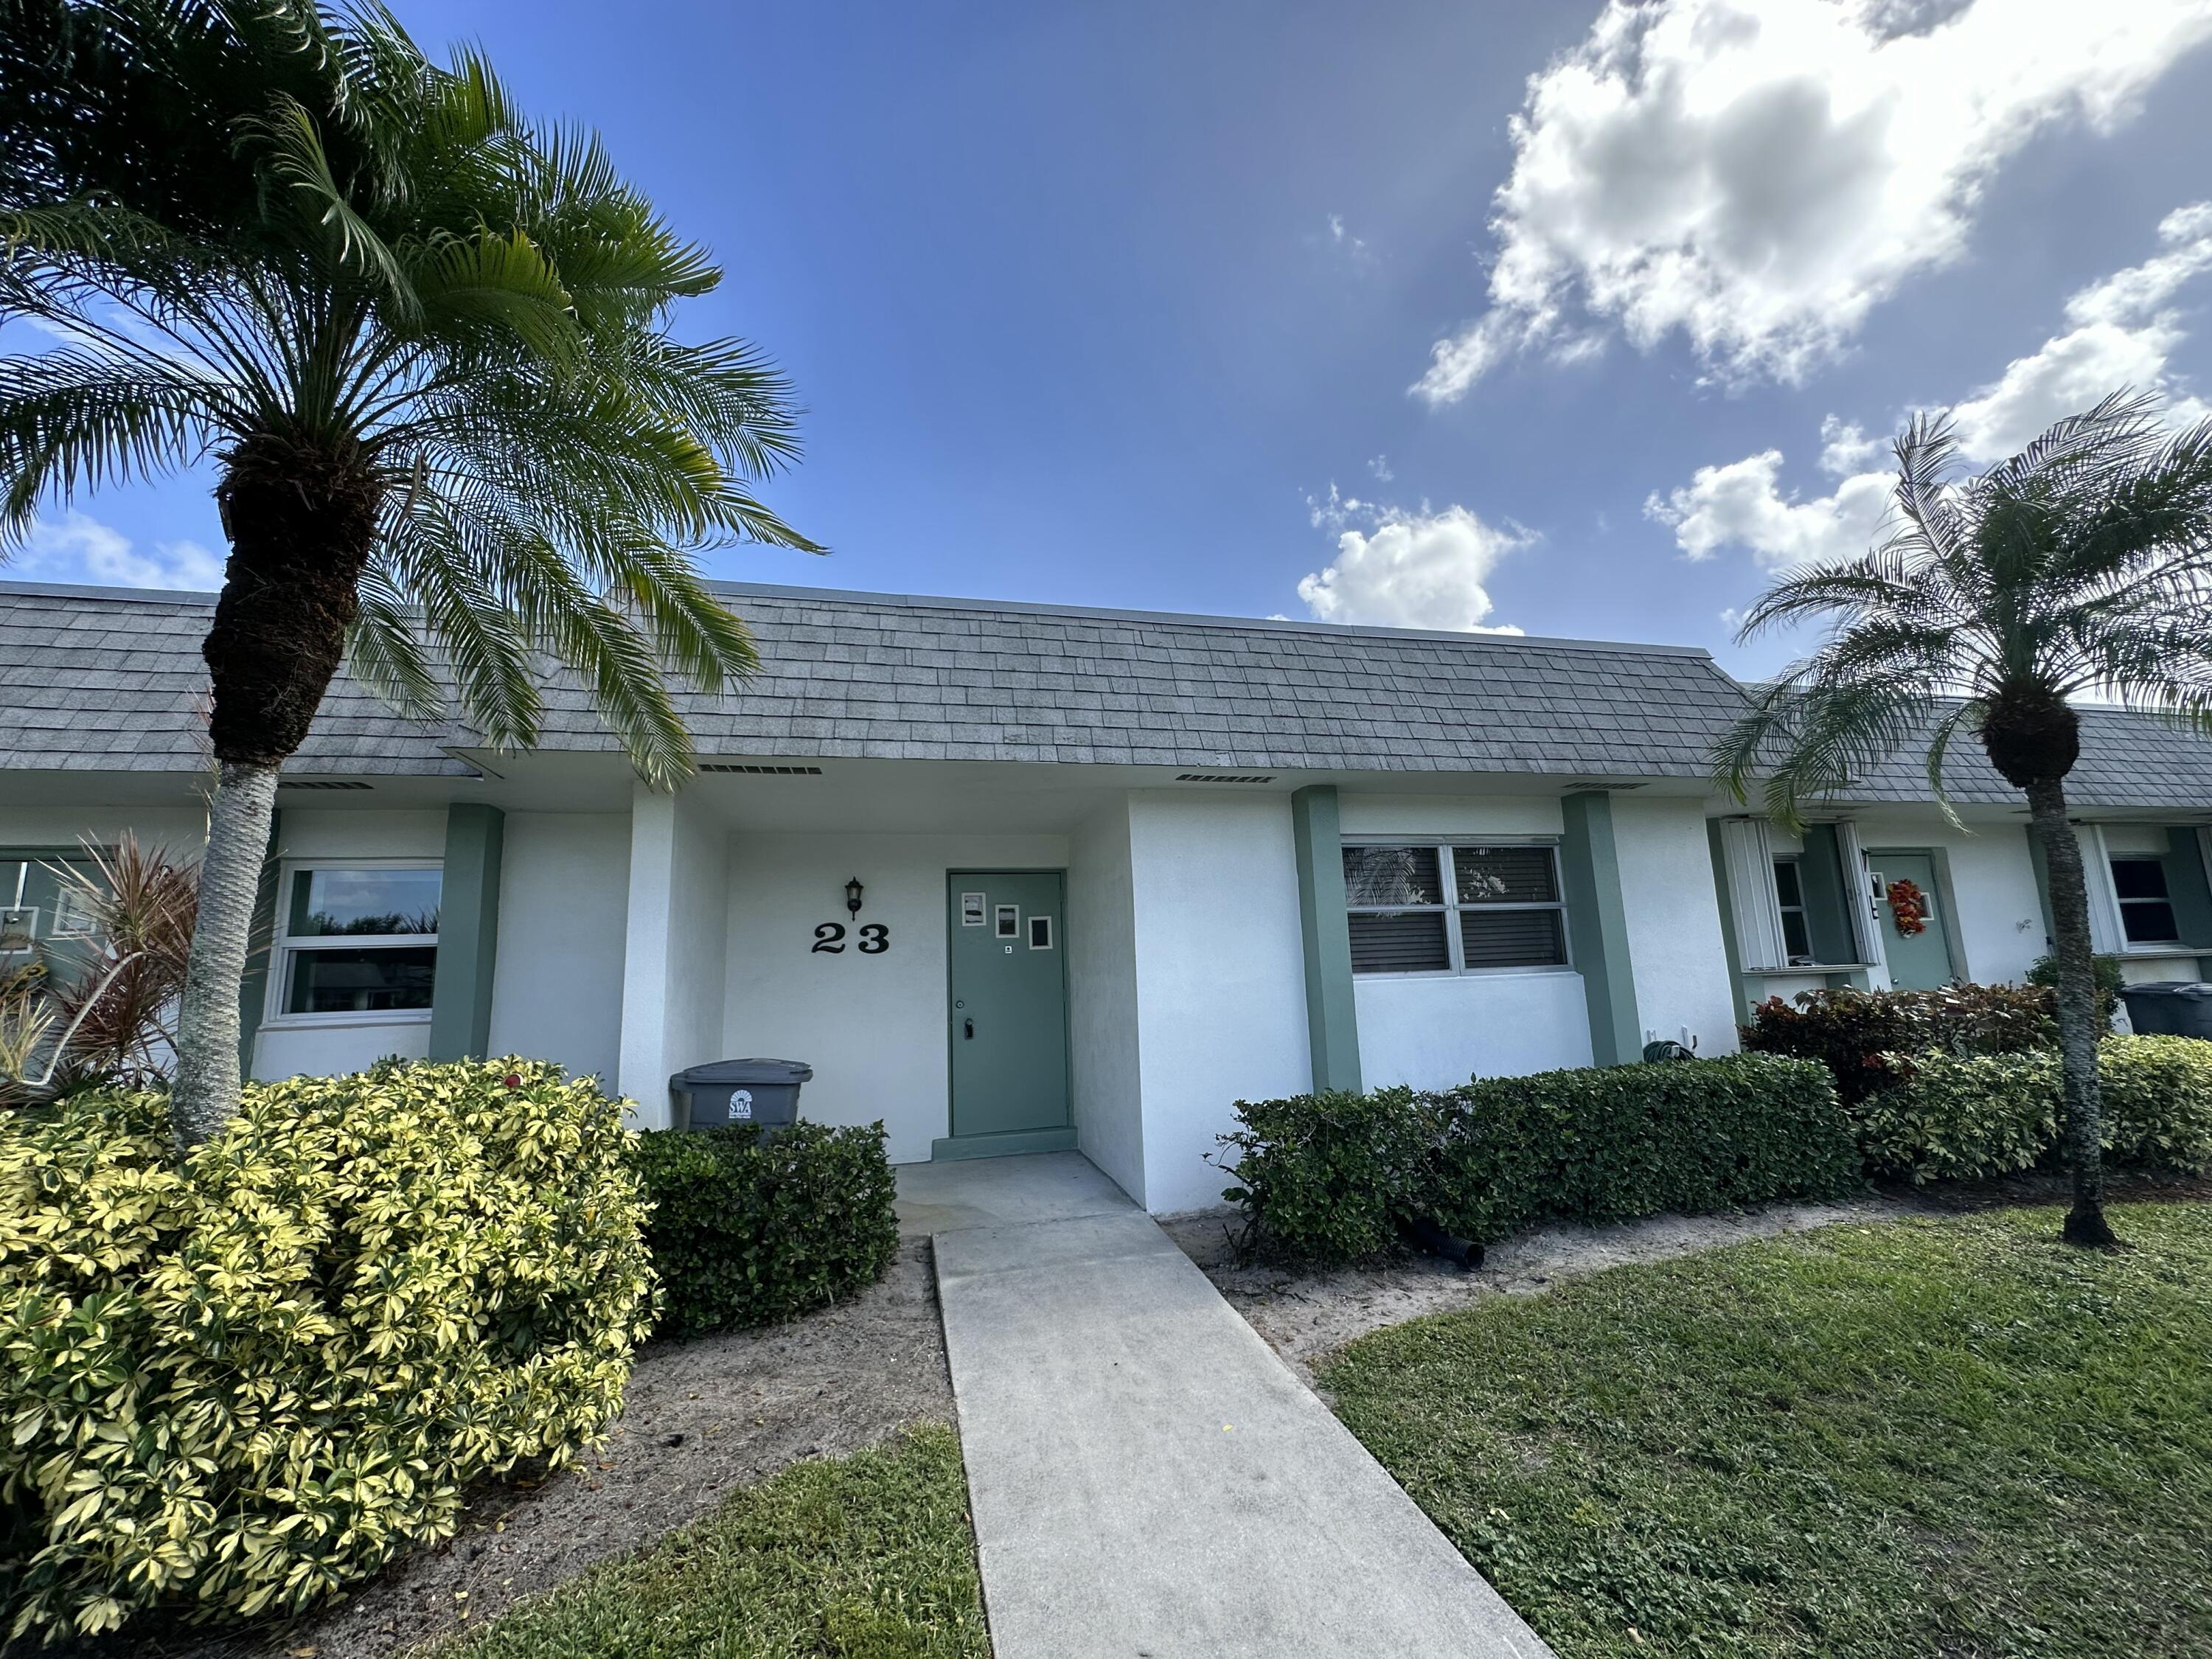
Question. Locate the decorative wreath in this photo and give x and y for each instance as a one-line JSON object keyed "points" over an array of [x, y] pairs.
{"points": [[1908, 905]]}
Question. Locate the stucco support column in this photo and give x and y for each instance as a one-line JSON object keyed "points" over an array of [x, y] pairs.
{"points": [[1332, 1017], [1598, 927], [468, 933], [645, 955], [675, 952]]}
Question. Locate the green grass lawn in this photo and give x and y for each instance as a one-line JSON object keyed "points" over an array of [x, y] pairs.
{"points": [[1948, 1438], [866, 1556]]}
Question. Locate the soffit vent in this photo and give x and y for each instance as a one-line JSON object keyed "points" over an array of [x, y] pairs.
{"points": [[770, 771], [1224, 777], [321, 783]]}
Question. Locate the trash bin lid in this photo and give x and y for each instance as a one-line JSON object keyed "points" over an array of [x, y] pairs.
{"points": [[2169, 988], [742, 1072]]}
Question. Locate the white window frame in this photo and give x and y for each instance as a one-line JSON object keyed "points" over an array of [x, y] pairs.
{"points": [[283, 946], [2152, 947], [1448, 879], [1786, 910]]}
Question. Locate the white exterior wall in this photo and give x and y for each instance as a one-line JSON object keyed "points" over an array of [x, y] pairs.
{"points": [[282, 1051], [1104, 1049], [563, 902], [1220, 976], [180, 830], [674, 950], [874, 1028], [319, 833], [1673, 915], [1998, 913], [1434, 1030]]}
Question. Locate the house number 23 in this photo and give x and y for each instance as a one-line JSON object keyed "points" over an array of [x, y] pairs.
{"points": [[829, 939]]}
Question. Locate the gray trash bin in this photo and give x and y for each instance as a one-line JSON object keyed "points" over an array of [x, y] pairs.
{"points": [[762, 1091], [2170, 1007]]}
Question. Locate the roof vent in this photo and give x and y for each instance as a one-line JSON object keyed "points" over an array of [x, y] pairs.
{"points": [[321, 783], [1224, 777], [772, 771]]}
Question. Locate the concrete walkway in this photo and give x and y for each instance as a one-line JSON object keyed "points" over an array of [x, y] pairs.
{"points": [[1148, 1481]]}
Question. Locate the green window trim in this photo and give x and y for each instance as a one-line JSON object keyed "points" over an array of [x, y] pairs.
{"points": [[1598, 927], [468, 936], [1325, 934]]}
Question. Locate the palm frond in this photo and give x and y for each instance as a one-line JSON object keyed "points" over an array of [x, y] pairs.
{"points": [[291, 224]]}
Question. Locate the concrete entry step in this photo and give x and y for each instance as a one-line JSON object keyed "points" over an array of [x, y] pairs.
{"points": [[1147, 1479], [947, 1197]]}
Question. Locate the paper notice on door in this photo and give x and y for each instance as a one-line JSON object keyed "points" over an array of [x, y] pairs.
{"points": [[971, 909]]}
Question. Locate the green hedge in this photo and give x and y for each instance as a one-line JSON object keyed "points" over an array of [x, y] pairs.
{"points": [[745, 1232], [1329, 1178], [1608, 1143], [1965, 1117], [232, 1385]]}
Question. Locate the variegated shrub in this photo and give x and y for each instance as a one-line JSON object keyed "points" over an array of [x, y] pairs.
{"points": [[234, 1385]]}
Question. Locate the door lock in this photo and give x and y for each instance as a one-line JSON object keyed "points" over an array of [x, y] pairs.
{"points": [[969, 1028]]}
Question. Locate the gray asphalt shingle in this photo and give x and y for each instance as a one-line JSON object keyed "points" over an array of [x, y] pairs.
{"points": [[102, 679]]}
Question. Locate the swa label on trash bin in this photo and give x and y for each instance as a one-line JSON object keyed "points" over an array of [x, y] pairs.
{"points": [[741, 1106]]}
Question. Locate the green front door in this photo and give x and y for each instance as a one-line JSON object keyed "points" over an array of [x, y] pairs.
{"points": [[1009, 1012], [1921, 960]]}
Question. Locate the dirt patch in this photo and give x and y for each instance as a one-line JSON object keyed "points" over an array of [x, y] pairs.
{"points": [[1305, 1315], [702, 1417]]}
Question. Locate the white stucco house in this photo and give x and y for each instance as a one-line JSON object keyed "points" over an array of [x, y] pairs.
{"points": [[1012, 877]]}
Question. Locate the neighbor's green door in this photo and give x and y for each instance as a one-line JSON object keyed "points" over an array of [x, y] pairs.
{"points": [[1923, 962], [1009, 995]]}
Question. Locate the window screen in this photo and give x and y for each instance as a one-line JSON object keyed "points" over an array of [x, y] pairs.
{"points": [[1400, 942], [1443, 907]]}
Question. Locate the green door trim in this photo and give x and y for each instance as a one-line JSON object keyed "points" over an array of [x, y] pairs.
{"points": [[1009, 1143]]}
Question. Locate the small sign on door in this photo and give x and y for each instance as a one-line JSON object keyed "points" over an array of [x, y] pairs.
{"points": [[1009, 921], [971, 909]]}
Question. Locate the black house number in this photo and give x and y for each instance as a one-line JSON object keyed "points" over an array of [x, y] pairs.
{"points": [[829, 939]]}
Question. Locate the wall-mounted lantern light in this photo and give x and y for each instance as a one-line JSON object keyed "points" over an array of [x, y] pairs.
{"points": [[852, 891]]}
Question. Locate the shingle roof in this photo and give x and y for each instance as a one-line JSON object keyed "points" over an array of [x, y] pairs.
{"points": [[2128, 759], [109, 679], [950, 679], [882, 675]]}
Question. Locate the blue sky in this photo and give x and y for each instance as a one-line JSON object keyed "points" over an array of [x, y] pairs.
{"points": [[1412, 314]]}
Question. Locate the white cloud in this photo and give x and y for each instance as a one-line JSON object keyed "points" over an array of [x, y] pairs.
{"points": [[1744, 505], [81, 548], [1756, 175], [1845, 449], [1405, 569], [1379, 469], [1355, 248], [2123, 334]]}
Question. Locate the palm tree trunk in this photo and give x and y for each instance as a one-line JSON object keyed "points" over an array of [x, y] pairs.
{"points": [[205, 1092], [2079, 1018], [302, 525]]}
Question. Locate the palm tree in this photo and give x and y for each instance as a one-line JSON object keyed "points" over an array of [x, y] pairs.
{"points": [[2079, 567], [427, 348]]}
